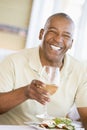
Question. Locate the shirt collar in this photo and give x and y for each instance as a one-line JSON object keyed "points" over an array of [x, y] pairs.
{"points": [[67, 67], [35, 62]]}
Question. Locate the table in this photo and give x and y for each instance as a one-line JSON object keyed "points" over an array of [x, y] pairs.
{"points": [[15, 127], [24, 127]]}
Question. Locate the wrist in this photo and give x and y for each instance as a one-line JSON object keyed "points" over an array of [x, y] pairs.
{"points": [[26, 92]]}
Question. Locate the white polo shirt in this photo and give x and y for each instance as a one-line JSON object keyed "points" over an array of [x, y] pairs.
{"points": [[20, 69]]}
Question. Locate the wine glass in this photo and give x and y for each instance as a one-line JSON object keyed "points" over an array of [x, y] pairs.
{"points": [[50, 76]]}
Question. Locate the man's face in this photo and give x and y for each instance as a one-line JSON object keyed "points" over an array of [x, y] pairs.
{"points": [[56, 39]]}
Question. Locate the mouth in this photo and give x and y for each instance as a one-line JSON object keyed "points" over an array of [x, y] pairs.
{"points": [[55, 48]]}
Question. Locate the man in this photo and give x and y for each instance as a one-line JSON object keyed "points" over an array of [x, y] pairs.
{"points": [[21, 98]]}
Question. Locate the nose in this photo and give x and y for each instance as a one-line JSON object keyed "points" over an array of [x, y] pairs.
{"points": [[58, 38]]}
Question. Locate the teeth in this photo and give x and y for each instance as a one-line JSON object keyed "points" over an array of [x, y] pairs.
{"points": [[55, 48]]}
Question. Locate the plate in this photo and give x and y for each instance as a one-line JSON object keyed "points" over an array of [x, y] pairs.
{"points": [[36, 125], [77, 124]]}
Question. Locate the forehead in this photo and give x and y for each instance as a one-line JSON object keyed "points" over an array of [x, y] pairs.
{"points": [[60, 23]]}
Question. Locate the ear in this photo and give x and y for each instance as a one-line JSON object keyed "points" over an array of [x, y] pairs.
{"points": [[41, 34]]}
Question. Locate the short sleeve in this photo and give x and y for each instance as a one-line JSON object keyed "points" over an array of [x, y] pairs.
{"points": [[81, 95], [6, 75]]}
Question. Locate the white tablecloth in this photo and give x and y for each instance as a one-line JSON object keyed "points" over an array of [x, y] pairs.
{"points": [[14, 127]]}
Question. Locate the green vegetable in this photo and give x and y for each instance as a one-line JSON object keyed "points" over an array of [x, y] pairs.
{"points": [[65, 121], [70, 127]]}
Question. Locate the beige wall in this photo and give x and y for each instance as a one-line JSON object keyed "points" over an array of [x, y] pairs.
{"points": [[15, 13]]}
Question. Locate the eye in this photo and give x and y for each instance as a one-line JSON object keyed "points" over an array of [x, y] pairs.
{"points": [[67, 36], [52, 32]]}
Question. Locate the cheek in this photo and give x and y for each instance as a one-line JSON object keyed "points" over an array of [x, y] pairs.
{"points": [[69, 44], [48, 36]]}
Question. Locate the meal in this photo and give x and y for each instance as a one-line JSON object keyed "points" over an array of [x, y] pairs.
{"points": [[58, 123]]}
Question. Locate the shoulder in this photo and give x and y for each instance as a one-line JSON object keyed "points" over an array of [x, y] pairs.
{"points": [[75, 62], [24, 53], [74, 65], [20, 57]]}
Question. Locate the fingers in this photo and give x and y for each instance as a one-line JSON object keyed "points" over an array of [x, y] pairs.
{"points": [[36, 91]]}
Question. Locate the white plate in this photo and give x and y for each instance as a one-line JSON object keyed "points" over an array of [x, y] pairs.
{"points": [[34, 125], [78, 125]]}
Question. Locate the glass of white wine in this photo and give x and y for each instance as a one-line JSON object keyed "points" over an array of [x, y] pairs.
{"points": [[51, 77]]}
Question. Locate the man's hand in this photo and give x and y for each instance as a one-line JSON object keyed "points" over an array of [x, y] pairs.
{"points": [[36, 91]]}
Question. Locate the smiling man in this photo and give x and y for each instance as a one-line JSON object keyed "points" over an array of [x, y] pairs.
{"points": [[21, 98], [57, 38]]}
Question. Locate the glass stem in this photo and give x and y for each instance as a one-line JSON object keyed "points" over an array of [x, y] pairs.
{"points": [[45, 110]]}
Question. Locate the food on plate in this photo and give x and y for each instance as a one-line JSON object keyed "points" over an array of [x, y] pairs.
{"points": [[60, 123]]}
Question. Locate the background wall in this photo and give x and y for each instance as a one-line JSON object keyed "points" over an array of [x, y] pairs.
{"points": [[14, 21], [18, 16], [76, 9]]}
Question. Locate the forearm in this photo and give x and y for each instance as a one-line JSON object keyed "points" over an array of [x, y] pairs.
{"points": [[83, 115], [11, 99]]}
